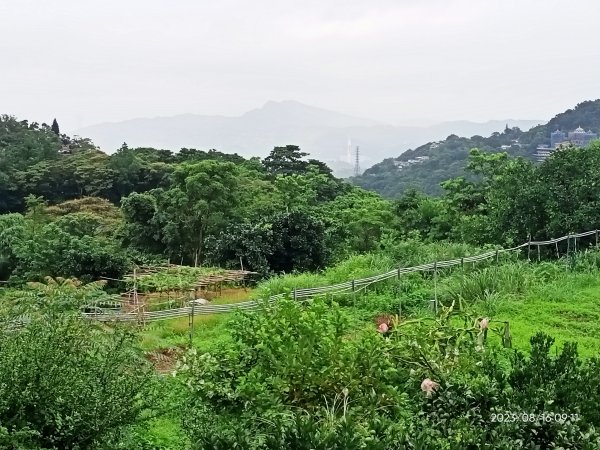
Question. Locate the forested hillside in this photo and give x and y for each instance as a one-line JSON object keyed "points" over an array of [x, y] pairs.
{"points": [[448, 158], [322, 133], [95, 214]]}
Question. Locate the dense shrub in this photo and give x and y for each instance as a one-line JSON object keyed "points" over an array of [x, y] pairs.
{"points": [[286, 364], [309, 378], [61, 249], [68, 384]]}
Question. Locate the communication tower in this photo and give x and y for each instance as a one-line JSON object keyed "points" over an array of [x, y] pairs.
{"points": [[357, 162]]}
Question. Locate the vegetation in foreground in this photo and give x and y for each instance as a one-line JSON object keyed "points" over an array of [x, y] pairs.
{"points": [[322, 374]]}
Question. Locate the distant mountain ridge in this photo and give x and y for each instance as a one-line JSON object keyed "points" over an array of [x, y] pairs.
{"points": [[425, 167], [322, 133]]}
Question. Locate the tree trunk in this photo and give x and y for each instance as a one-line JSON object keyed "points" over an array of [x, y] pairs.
{"points": [[201, 244]]}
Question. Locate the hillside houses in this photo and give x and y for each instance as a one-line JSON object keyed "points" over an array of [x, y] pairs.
{"points": [[559, 139], [416, 160]]}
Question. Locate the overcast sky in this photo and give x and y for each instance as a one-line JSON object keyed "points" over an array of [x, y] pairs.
{"points": [[88, 61]]}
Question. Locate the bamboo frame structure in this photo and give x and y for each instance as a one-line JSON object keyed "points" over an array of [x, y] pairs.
{"points": [[207, 283]]}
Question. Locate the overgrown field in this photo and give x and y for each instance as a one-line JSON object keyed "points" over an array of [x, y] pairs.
{"points": [[328, 374], [555, 297]]}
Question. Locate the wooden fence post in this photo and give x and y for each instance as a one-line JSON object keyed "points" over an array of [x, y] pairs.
{"points": [[435, 286], [506, 337], [192, 324], [569, 252]]}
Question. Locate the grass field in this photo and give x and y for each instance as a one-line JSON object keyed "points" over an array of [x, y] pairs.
{"points": [[568, 310], [531, 297], [209, 330], [564, 304]]}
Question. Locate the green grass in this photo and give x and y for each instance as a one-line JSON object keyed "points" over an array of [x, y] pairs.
{"points": [[229, 296], [165, 433], [162, 428], [532, 297], [567, 309], [209, 331], [355, 267]]}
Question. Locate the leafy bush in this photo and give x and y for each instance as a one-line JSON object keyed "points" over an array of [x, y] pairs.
{"points": [[286, 363], [61, 248], [68, 384], [309, 378], [541, 401]]}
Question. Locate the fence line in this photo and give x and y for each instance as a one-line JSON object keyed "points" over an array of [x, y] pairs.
{"points": [[352, 286]]}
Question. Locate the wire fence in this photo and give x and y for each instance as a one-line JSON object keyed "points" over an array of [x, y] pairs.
{"points": [[348, 287]]}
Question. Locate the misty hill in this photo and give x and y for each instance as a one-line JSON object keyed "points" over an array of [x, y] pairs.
{"points": [[322, 133], [425, 167]]}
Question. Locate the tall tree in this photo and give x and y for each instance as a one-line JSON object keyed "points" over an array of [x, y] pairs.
{"points": [[204, 195], [285, 161], [199, 204], [298, 242], [55, 127]]}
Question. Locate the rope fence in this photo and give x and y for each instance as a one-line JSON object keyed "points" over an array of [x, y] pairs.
{"points": [[348, 287]]}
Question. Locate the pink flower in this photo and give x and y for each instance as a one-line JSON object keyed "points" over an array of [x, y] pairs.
{"points": [[429, 386], [484, 324], [383, 328]]}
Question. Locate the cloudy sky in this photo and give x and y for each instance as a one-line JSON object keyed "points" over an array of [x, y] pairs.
{"points": [[89, 61]]}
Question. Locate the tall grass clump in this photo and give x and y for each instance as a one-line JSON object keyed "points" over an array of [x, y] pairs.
{"points": [[354, 267], [413, 252], [586, 261], [488, 283], [359, 266]]}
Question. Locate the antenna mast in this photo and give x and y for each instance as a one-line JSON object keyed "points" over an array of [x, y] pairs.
{"points": [[357, 163]]}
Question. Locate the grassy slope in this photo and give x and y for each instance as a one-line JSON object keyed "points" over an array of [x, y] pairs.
{"points": [[566, 306], [563, 304], [568, 310], [209, 330]]}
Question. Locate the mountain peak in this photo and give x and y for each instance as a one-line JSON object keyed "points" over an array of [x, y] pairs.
{"points": [[286, 104], [301, 113], [323, 133]]}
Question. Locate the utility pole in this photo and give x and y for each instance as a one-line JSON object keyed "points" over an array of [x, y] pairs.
{"points": [[191, 323]]}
